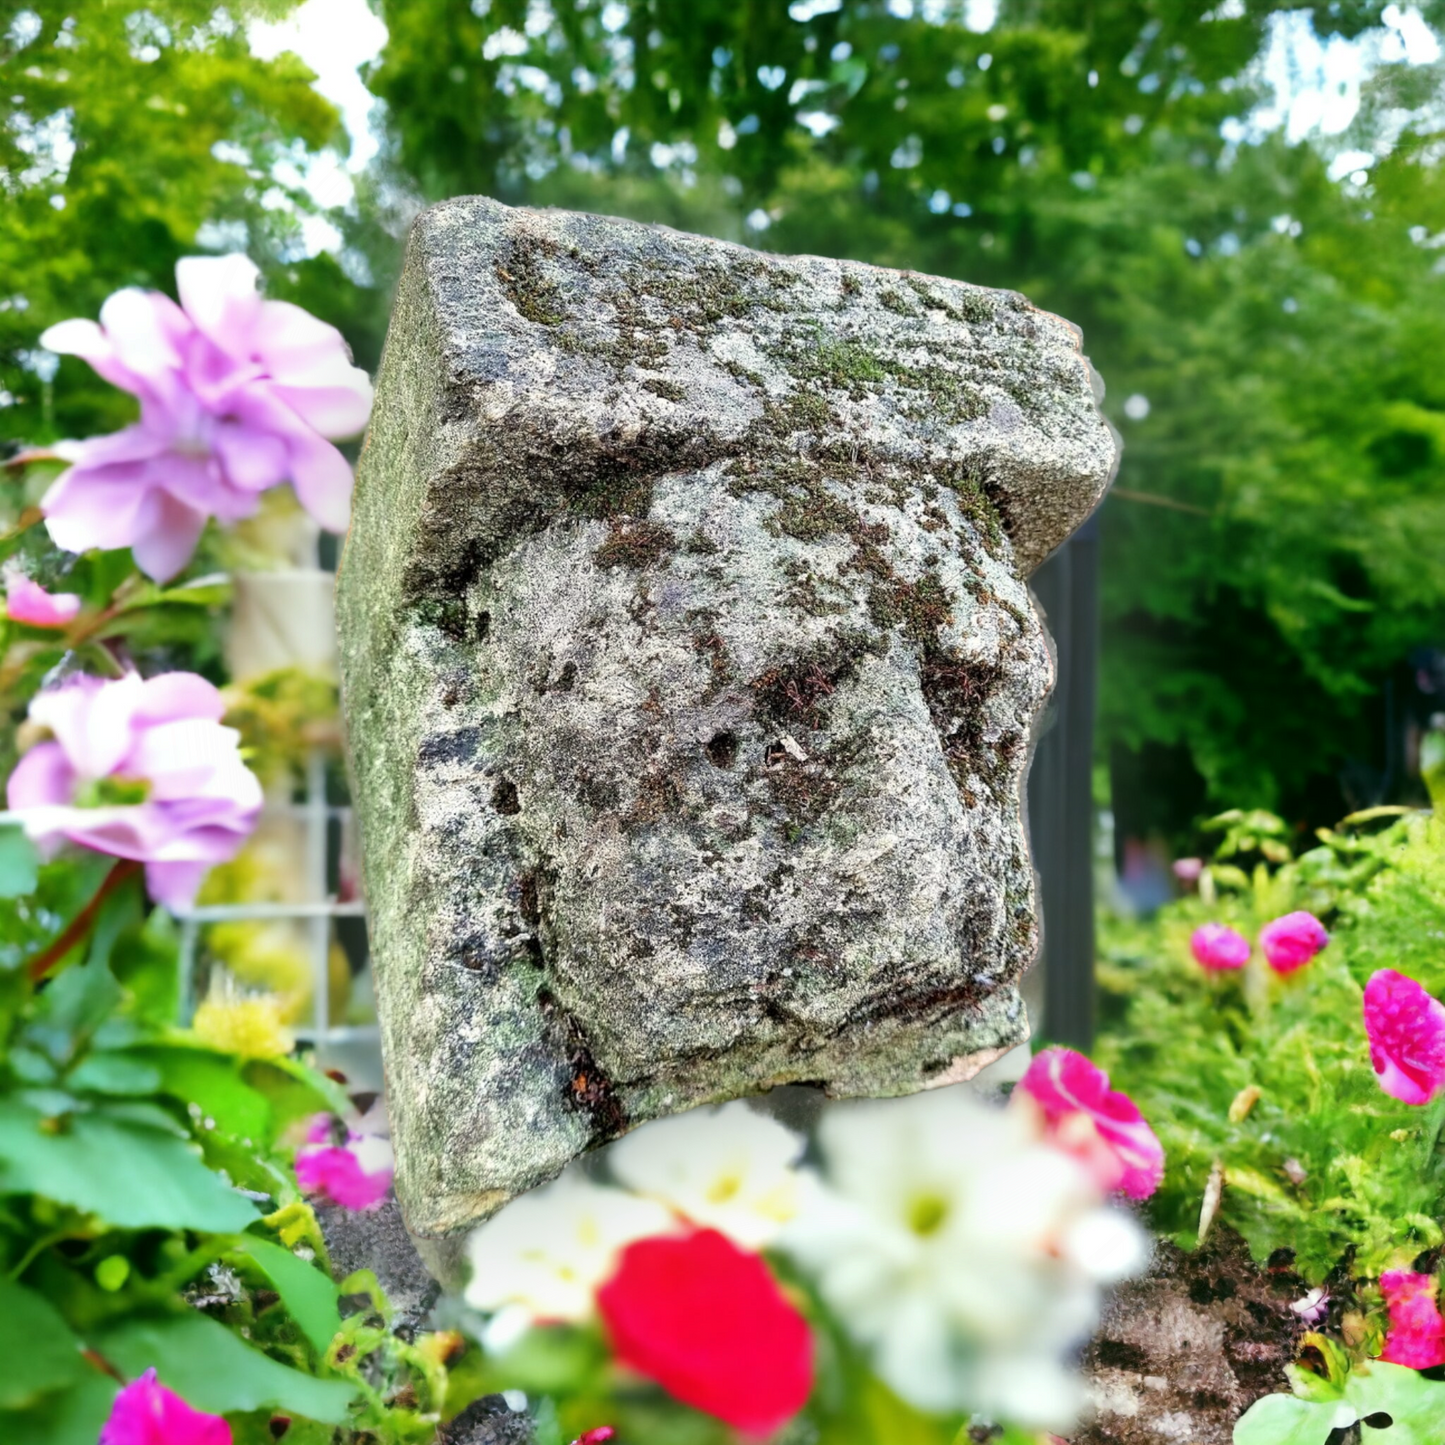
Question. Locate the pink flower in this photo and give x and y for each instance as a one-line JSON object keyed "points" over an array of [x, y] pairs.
{"points": [[138, 769], [337, 1173], [708, 1322], [596, 1436], [1100, 1125], [1406, 1030], [1218, 948], [237, 395], [1187, 870], [1290, 942], [1416, 1335], [146, 1413], [30, 603]]}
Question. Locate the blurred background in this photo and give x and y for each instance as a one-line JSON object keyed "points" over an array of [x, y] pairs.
{"points": [[1241, 204]]}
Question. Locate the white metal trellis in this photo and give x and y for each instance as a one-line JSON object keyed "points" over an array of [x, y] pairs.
{"points": [[318, 909]]}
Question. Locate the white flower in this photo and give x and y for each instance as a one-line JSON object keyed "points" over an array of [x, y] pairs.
{"points": [[728, 1169], [963, 1250], [549, 1250]]}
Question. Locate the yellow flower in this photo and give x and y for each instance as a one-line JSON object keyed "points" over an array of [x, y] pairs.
{"points": [[251, 1025]]}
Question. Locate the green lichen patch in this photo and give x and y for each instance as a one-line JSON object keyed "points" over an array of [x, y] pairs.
{"points": [[519, 269], [667, 390]]}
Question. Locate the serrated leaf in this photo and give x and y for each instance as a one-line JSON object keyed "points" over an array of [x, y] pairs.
{"points": [[213, 1370], [38, 1353], [130, 1176], [309, 1294]]}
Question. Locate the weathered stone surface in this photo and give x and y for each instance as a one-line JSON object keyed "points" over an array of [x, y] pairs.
{"points": [[689, 671]]}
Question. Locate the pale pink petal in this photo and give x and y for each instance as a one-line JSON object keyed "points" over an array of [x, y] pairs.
{"points": [[101, 500], [252, 460], [310, 370], [219, 294], [322, 478], [169, 542], [30, 603], [42, 778], [175, 695], [146, 1413], [146, 331], [1406, 1032], [1219, 948], [1290, 942], [91, 720], [200, 801], [175, 885]]}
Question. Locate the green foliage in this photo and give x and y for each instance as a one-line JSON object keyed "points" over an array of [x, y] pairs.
{"points": [[124, 131], [1271, 1077], [1391, 1404]]}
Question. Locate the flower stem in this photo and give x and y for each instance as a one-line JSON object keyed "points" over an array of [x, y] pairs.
{"points": [[83, 921]]}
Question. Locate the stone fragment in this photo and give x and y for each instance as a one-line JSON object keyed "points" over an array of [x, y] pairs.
{"points": [[689, 674]]}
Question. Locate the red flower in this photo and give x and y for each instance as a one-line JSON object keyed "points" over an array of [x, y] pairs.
{"points": [[708, 1322], [1417, 1333], [596, 1436]]}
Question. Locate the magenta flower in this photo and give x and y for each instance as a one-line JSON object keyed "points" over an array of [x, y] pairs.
{"points": [[1219, 948], [338, 1174], [1101, 1126], [1416, 1336], [237, 395], [1406, 1030], [142, 770], [1290, 942], [146, 1413], [30, 603]]}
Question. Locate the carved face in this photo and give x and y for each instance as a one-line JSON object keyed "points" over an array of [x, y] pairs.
{"points": [[689, 695]]}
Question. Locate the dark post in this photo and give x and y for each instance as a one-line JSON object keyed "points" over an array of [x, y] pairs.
{"points": [[1061, 813]]}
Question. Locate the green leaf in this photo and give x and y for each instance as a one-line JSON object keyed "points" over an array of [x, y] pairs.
{"points": [[132, 1177], [38, 1353], [19, 865], [114, 1073], [294, 1090], [213, 1082], [1285, 1420], [309, 1294], [1415, 1405], [209, 1367], [72, 1416], [73, 1005]]}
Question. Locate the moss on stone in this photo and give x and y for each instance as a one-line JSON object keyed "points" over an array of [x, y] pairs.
{"points": [[635, 544]]}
